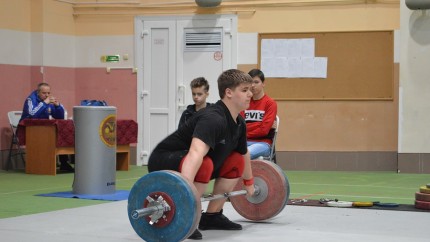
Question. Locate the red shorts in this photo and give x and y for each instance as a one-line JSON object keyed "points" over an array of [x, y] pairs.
{"points": [[232, 168]]}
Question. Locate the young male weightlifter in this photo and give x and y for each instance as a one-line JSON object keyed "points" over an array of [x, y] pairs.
{"points": [[212, 145]]}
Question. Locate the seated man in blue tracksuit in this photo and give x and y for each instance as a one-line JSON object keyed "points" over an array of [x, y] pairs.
{"points": [[40, 104]]}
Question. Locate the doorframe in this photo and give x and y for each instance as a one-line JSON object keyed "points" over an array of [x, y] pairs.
{"points": [[138, 60]]}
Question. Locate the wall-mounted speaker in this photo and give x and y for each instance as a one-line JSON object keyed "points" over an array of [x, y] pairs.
{"points": [[418, 4], [208, 3]]}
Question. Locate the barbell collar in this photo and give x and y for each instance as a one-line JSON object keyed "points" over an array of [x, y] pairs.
{"points": [[138, 213]]}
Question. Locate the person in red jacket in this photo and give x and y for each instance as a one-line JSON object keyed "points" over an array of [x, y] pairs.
{"points": [[260, 117]]}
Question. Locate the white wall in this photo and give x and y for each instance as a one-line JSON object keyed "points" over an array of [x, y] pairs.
{"points": [[90, 49], [35, 48], [46, 49], [414, 110], [15, 47], [247, 50]]}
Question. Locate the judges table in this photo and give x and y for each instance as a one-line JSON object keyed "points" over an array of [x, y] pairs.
{"points": [[45, 139]]}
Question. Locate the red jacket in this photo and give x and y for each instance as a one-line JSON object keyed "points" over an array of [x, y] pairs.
{"points": [[259, 119]]}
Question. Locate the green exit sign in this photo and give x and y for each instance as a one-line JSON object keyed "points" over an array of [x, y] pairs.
{"points": [[110, 58]]}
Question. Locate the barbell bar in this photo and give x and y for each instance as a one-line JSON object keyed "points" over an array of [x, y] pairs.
{"points": [[161, 206]]}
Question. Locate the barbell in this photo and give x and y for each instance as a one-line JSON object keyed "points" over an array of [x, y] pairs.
{"points": [[165, 206], [157, 208]]}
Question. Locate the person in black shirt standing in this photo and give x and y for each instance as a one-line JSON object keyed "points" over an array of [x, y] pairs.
{"points": [[212, 145], [200, 91]]}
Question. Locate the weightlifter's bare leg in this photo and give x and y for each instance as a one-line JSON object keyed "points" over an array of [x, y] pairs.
{"points": [[221, 186], [201, 188]]}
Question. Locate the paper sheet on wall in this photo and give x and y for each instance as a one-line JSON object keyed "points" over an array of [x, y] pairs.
{"points": [[315, 67], [307, 47], [292, 58], [320, 66]]}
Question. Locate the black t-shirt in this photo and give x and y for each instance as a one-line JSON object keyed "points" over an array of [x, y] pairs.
{"points": [[213, 125], [190, 111]]}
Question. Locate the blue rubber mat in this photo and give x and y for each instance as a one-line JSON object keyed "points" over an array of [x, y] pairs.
{"points": [[117, 196]]}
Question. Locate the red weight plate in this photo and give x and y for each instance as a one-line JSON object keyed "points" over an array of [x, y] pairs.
{"points": [[422, 205], [422, 197], [168, 215], [273, 195]]}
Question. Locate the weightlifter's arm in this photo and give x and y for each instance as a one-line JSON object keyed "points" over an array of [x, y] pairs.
{"points": [[247, 174], [194, 158]]}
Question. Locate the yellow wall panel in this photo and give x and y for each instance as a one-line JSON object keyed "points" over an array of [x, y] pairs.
{"points": [[120, 21], [58, 18], [36, 20], [93, 25], [37, 16], [312, 19], [15, 15]]}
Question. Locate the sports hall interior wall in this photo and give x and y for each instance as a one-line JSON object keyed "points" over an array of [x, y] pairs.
{"points": [[61, 44]]}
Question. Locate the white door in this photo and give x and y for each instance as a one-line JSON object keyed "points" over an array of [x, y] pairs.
{"points": [[165, 69], [157, 82]]}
